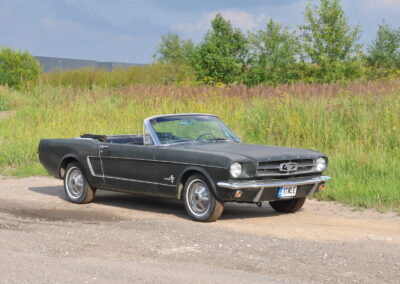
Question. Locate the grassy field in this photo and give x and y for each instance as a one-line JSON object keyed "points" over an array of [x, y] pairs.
{"points": [[356, 125]]}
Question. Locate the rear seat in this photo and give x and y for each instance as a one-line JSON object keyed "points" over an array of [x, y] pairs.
{"points": [[133, 140], [119, 139]]}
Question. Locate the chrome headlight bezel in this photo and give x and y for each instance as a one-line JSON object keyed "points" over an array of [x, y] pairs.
{"points": [[321, 164], [235, 170]]}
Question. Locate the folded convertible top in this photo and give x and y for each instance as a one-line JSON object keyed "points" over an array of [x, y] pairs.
{"points": [[101, 138]]}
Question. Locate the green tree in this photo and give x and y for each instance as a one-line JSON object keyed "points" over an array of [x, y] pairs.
{"points": [[221, 56], [173, 56], [329, 42], [174, 50], [274, 55], [17, 68], [384, 52]]}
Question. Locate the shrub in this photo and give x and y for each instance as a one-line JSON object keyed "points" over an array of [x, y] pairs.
{"points": [[17, 68], [384, 52]]}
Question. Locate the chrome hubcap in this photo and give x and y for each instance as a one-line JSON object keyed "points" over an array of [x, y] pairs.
{"points": [[198, 197], [75, 182]]}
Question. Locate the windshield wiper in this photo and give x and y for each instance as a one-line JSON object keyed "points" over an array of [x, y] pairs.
{"points": [[184, 140], [199, 141], [221, 139]]}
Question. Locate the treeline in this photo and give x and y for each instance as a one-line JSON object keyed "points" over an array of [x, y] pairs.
{"points": [[325, 48]]}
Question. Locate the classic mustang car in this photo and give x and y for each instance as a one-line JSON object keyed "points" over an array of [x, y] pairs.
{"points": [[194, 157]]}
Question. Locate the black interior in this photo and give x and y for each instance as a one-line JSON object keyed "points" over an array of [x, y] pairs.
{"points": [[118, 139], [168, 136]]}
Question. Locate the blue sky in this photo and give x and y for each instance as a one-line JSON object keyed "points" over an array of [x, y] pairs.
{"points": [[129, 30]]}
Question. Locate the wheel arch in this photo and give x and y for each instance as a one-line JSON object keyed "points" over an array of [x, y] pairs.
{"points": [[190, 171], [65, 161]]}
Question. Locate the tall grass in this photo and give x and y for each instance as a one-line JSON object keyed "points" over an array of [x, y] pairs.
{"points": [[356, 125], [3, 98], [154, 74]]}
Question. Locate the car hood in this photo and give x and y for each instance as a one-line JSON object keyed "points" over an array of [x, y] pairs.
{"points": [[252, 152]]}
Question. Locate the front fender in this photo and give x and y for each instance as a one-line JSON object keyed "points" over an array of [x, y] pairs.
{"points": [[199, 170], [219, 194]]}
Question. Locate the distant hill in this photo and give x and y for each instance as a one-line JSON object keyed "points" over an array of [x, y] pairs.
{"points": [[51, 63]]}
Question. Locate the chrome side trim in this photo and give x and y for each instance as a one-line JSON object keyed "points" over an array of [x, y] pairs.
{"points": [[90, 165], [160, 161], [119, 178], [269, 184], [141, 181]]}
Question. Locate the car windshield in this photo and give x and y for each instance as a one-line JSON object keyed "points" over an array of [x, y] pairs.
{"points": [[191, 128]]}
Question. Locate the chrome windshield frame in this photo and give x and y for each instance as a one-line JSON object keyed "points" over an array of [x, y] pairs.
{"points": [[147, 126]]}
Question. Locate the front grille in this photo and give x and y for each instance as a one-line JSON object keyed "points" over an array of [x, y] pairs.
{"points": [[274, 168]]}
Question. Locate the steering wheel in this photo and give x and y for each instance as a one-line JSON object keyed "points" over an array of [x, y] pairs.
{"points": [[204, 134]]}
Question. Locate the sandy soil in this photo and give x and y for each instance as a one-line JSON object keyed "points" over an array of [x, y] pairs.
{"points": [[125, 238]]}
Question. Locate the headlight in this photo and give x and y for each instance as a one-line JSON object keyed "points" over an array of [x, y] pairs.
{"points": [[235, 170], [321, 164]]}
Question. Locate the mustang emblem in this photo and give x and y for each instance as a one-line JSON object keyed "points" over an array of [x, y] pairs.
{"points": [[288, 167], [171, 178]]}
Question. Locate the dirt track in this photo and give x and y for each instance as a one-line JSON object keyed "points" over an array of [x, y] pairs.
{"points": [[124, 238]]}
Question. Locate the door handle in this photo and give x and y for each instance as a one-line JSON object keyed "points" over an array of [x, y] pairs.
{"points": [[102, 147]]}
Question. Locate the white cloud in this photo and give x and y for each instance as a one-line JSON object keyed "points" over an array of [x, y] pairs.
{"points": [[391, 5], [239, 19]]}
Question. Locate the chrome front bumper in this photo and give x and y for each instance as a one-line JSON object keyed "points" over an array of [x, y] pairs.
{"points": [[272, 183]]}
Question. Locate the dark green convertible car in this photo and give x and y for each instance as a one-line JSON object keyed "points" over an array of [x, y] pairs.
{"points": [[194, 157]]}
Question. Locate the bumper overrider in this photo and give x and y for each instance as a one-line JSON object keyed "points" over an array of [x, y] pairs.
{"points": [[267, 190]]}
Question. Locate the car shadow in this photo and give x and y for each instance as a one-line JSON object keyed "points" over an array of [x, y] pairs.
{"points": [[142, 203], [161, 205], [49, 190]]}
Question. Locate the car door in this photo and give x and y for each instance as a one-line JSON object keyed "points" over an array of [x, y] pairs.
{"points": [[129, 167], [169, 169]]}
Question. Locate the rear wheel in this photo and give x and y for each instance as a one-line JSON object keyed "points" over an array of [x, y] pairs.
{"points": [[288, 206], [76, 186], [200, 203]]}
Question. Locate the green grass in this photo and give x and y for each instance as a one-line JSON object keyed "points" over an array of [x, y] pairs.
{"points": [[356, 126], [3, 99]]}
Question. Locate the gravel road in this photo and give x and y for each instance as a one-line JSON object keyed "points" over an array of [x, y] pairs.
{"points": [[124, 238]]}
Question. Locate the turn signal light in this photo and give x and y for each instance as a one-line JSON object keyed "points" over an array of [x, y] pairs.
{"points": [[238, 194], [321, 187]]}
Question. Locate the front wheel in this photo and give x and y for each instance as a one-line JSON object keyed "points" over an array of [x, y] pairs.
{"points": [[76, 186], [200, 203], [288, 206]]}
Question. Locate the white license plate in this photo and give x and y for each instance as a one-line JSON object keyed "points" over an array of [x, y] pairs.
{"points": [[287, 192]]}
